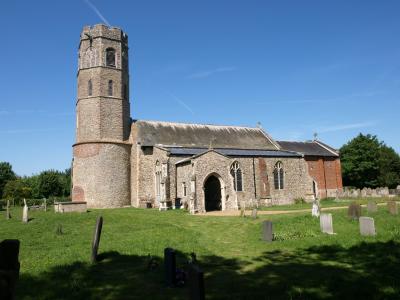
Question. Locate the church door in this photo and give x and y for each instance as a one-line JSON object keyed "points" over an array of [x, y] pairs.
{"points": [[212, 191]]}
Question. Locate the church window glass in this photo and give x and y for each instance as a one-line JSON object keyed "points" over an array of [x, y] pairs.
{"points": [[90, 87], [236, 173], [278, 176], [110, 57], [110, 88]]}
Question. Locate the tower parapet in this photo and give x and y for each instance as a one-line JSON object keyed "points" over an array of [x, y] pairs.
{"points": [[102, 152]]}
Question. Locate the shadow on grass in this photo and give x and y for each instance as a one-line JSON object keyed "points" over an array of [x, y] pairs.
{"points": [[365, 271]]}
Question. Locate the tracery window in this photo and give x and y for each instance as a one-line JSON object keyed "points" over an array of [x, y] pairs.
{"points": [[110, 57], [236, 173], [110, 88], [90, 87], [278, 176], [158, 175]]}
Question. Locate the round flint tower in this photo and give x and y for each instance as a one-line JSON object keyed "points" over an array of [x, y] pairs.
{"points": [[101, 163]]}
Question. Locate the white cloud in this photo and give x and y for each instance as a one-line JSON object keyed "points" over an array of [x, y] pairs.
{"points": [[340, 127], [208, 73], [97, 12], [182, 103]]}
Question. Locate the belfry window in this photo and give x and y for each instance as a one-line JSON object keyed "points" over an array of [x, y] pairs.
{"points": [[90, 87], [110, 88], [278, 176], [236, 173], [110, 57]]}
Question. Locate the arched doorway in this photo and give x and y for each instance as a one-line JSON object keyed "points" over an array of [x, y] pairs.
{"points": [[212, 193]]}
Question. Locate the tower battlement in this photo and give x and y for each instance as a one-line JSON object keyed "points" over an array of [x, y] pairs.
{"points": [[103, 31]]}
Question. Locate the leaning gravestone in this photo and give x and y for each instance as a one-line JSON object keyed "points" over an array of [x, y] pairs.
{"points": [[267, 231], [325, 221], [8, 214], [25, 218], [254, 213], [316, 209], [196, 283], [367, 226], [170, 267], [392, 207], [354, 211], [9, 268], [96, 239], [372, 207]]}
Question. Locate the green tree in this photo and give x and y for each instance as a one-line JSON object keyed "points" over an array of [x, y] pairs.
{"points": [[17, 190], [6, 174], [367, 162], [50, 183]]}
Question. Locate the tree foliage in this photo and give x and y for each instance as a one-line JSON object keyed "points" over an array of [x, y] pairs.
{"points": [[6, 174], [367, 162]]}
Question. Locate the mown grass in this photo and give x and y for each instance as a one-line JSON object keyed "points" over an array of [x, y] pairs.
{"points": [[328, 203], [301, 263]]}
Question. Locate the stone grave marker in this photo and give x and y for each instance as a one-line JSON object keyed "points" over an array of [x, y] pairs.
{"points": [[316, 209], [326, 223], [254, 213], [25, 217], [392, 207], [354, 211], [96, 239], [372, 207], [9, 268], [170, 267], [367, 226], [196, 283], [267, 231], [8, 214], [45, 204]]}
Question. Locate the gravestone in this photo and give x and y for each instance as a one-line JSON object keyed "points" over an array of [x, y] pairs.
{"points": [[354, 211], [316, 209], [267, 231], [196, 283], [372, 207], [45, 204], [25, 218], [392, 207], [96, 239], [367, 226], [170, 267], [254, 213], [8, 214], [326, 223], [9, 268]]}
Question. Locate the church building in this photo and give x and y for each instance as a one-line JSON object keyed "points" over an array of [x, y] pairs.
{"points": [[119, 161]]}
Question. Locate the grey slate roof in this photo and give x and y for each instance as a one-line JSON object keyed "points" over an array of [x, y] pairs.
{"points": [[232, 152], [314, 148], [151, 133]]}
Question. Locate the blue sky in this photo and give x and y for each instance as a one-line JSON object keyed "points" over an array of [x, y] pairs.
{"points": [[298, 67]]}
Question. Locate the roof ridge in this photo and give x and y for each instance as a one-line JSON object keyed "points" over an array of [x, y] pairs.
{"points": [[199, 124]]}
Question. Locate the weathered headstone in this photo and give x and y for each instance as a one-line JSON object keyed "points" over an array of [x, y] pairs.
{"points": [[196, 283], [372, 207], [25, 217], [45, 204], [254, 213], [326, 223], [8, 214], [96, 239], [354, 211], [367, 226], [9, 268], [267, 231], [316, 209], [392, 207], [170, 267]]}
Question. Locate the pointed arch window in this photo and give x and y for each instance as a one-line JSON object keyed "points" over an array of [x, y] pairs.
{"points": [[110, 57], [236, 174], [90, 87], [110, 88], [158, 175], [278, 176]]}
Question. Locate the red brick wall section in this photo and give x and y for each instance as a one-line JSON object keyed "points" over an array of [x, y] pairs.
{"points": [[78, 194], [264, 184], [86, 150], [317, 172], [339, 174]]}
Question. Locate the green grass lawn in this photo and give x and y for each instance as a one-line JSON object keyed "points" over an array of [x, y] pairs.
{"points": [[327, 203], [301, 263]]}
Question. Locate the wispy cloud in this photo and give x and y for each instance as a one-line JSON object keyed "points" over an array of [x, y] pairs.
{"points": [[182, 103], [97, 12], [340, 127], [208, 73]]}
